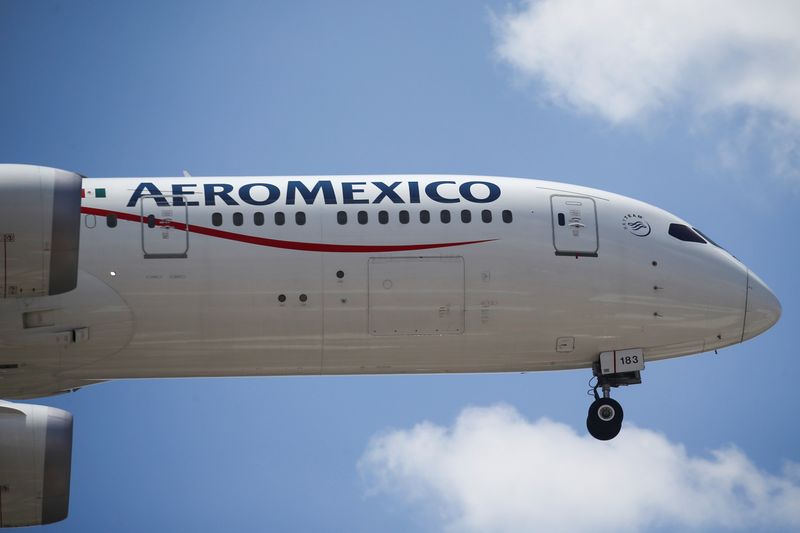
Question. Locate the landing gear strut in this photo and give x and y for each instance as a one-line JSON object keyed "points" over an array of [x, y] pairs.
{"points": [[605, 414]]}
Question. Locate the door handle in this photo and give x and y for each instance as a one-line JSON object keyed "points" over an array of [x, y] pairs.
{"points": [[576, 225]]}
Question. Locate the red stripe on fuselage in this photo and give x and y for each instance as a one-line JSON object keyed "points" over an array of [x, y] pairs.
{"points": [[276, 243]]}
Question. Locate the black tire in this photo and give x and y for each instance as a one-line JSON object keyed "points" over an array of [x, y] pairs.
{"points": [[604, 420]]}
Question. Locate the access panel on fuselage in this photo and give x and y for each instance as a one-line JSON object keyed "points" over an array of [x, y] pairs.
{"points": [[416, 295]]}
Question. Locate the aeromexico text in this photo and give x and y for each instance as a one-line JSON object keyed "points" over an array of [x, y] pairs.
{"points": [[295, 191]]}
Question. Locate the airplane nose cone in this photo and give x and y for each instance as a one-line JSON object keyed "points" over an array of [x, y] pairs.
{"points": [[763, 308]]}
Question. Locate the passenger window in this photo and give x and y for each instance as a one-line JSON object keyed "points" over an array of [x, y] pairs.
{"points": [[507, 216], [151, 221], [562, 220], [424, 216], [111, 221], [404, 218], [216, 219], [486, 216], [258, 219], [685, 233], [280, 218], [238, 219], [383, 217], [341, 217], [300, 218], [444, 216], [466, 216], [363, 218]]}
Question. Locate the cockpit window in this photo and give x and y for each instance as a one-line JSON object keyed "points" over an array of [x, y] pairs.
{"points": [[685, 233], [706, 238]]}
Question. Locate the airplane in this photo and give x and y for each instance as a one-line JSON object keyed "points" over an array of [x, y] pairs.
{"points": [[122, 278]]}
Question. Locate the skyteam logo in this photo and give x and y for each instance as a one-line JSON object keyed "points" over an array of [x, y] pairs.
{"points": [[636, 224]]}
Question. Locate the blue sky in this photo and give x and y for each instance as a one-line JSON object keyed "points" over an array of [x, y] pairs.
{"points": [[681, 108]]}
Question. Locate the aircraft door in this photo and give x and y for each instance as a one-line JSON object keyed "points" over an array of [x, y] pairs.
{"points": [[165, 228], [574, 225]]}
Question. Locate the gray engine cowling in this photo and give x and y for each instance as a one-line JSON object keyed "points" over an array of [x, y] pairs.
{"points": [[40, 214], [35, 464]]}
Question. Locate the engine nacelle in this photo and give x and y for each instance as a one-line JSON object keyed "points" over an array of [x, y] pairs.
{"points": [[40, 215], [35, 464]]}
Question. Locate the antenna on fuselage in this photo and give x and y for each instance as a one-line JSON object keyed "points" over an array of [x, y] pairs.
{"points": [[186, 174]]}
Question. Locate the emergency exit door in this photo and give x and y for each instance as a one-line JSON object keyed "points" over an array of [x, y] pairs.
{"points": [[165, 227], [574, 225]]}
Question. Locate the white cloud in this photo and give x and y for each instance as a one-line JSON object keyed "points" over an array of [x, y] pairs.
{"points": [[495, 471], [624, 59]]}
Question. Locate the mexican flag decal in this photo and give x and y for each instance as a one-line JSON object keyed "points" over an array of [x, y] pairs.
{"points": [[93, 193]]}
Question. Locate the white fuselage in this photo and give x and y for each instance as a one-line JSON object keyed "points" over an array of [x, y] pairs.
{"points": [[264, 276]]}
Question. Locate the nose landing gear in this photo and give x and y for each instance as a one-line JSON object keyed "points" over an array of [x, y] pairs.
{"points": [[604, 420]]}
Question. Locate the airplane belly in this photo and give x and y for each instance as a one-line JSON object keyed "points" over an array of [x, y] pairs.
{"points": [[503, 308], [45, 340], [225, 309]]}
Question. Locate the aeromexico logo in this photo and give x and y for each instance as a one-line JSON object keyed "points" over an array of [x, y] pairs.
{"points": [[296, 191], [636, 224]]}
